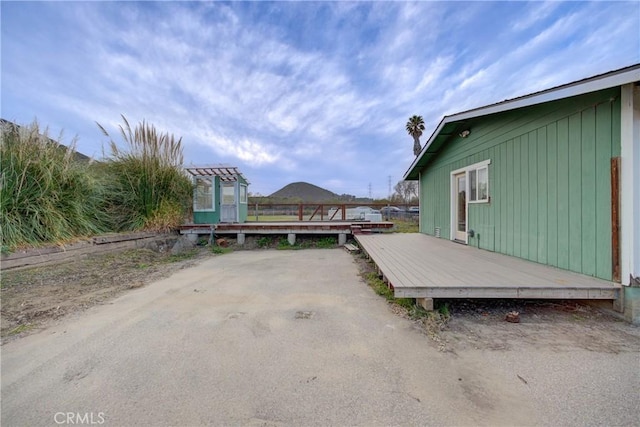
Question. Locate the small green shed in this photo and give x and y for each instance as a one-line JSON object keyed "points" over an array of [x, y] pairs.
{"points": [[552, 177], [220, 194]]}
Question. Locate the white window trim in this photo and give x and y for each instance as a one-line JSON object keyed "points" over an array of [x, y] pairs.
{"points": [[453, 195], [213, 193], [471, 167]]}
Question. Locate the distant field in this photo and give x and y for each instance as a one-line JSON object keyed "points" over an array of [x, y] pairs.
{"points": [[406, 226], [275, 218], [402, 226], [272, 218]]}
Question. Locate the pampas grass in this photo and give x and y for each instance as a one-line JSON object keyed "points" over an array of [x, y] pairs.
{"points": [[45, 195], [148, 188]]}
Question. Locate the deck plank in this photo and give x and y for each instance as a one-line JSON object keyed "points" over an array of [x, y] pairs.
{"points": [[422, 266]]}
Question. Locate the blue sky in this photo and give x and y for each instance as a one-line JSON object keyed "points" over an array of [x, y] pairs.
{"points": [[295, 91]]}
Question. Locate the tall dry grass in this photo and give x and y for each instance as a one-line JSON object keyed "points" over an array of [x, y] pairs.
{"points": [[147, 186], [45, 195]]}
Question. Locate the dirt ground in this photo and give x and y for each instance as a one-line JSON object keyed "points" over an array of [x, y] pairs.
{"points": [[558, 326], [33, 298]]}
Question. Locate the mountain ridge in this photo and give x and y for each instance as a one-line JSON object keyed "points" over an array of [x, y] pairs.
{"points": [[305, 192]]}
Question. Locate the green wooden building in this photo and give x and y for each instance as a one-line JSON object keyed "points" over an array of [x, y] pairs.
{"points": [[220, 194], [552, 177]]}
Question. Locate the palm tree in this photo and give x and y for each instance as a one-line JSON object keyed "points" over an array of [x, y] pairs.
{"points": [[415, 126]]}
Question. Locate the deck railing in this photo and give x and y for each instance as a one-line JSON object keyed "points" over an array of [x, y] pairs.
{"points": [[324, 211]]}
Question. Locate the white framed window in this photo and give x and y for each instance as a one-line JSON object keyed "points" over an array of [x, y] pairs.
{"points": [[203, 194], [243, 193], [479, 184]]}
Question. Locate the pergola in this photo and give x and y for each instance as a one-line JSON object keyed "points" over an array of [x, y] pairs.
{"points": [[226, 173]]}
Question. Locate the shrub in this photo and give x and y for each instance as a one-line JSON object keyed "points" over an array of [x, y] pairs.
{"points": [[264, 242], [283, 243], [326, 243], [148, 188], [45, 195]]}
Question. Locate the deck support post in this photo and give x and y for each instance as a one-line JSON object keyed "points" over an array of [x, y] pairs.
{"points": [[240, 239], [618, 303], [193, 237], [426, 303], [342, 239], [291, 237]]}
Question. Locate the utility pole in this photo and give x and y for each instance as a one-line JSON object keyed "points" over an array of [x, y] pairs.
{"points": [[389, 199], [371, 198]]}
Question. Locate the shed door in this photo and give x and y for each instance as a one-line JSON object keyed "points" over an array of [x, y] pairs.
{"points": [[460, 209], [229, 206]]}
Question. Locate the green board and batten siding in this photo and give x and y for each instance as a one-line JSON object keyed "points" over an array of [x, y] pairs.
{"points": [[549, 182], [206, 217], [213, 216]]}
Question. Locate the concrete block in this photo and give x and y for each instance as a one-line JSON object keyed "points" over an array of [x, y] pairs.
{"points": [[426, 303], [631, 304], [342, 239], [291, 237], [182, 245], [240, 239]]}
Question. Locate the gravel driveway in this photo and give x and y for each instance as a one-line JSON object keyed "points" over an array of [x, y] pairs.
{"points": [[293, 338]]}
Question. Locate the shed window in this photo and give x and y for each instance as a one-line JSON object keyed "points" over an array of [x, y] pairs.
{"points": [[479, 184], [203, 198], [228, 193], [243, 193]]}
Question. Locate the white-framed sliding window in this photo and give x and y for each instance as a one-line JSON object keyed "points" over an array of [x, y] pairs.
{"points": [[204, 198]]}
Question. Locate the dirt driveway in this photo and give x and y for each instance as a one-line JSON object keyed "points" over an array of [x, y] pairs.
{"points": [[297, 338]]}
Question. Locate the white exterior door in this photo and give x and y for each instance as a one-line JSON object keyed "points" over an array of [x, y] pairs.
{"points": [[460, 206], [229, 203]]}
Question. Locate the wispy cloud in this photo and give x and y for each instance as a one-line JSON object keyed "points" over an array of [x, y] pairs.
{"points": [[534, 15], [316, 91]]}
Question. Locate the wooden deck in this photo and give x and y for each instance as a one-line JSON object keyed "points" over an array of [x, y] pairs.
{"points": [[286, 227], [421, 266]]}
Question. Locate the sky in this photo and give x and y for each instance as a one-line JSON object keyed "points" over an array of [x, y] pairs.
{"points": [[294, 91]]}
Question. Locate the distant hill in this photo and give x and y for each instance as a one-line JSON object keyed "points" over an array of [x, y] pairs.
{"points": [[6, 124], [304, 192]]}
